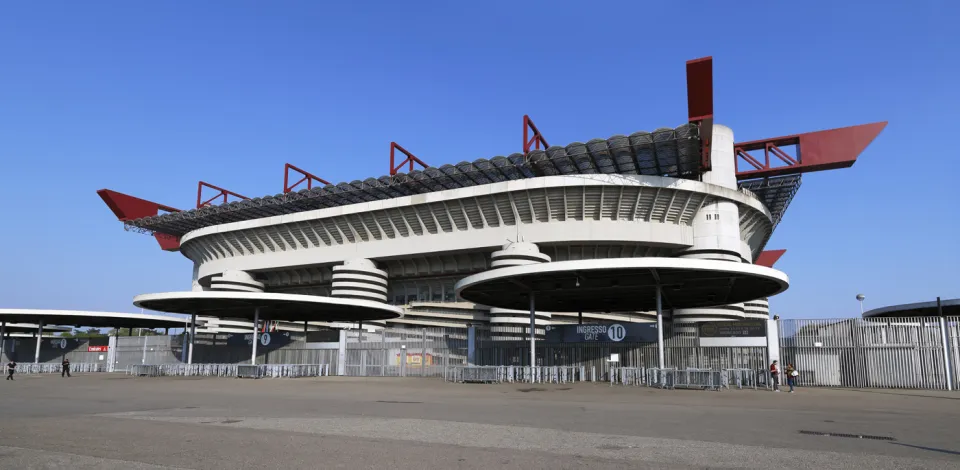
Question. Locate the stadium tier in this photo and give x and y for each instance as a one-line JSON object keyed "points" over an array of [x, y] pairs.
{"points": [[407, 238]]}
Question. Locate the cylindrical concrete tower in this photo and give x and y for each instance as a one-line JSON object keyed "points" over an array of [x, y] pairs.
{"points": [[716, 228], [506, 325], [235, 281], [359, 279]]}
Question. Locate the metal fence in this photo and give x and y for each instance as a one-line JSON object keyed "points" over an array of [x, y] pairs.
{"points": [[56, 368], [134, 350], [918, 353], [510, 374], [705, 379], [229, 370], [882, 353], [404, 352]]}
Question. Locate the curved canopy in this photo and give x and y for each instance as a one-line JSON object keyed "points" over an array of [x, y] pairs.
{"points": [[30, 328], [273, 306], [625, 284], [950, 308], [94, 319]]}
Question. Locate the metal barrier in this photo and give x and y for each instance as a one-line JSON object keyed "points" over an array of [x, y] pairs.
{"points": [[202, 370], [706, 379], [661, 378], [510, 374], [703, 379], [144, 370], [250, 371], [627, 376], [295, 370], [230, 370], [745, 378], [56, 368]]}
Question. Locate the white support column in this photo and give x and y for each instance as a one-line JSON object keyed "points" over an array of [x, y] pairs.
{"points": [[533, 332], [256, 330], [112, 354], [36, 356], [3, 338], [773, 344], [660, 359], [193, 335], [946, 353]]}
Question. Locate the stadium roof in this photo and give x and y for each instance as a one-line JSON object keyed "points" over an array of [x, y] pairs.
{"points": [[949, 308], [664, 152], [622, 284], [94, 319]]}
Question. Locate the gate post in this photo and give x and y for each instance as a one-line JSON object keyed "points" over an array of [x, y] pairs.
{"points": [[471, 345], [773, 345], [342, 354], [112, 354]]}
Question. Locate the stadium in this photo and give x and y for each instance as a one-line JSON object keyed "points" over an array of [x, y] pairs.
{"points": [[689, 191]]}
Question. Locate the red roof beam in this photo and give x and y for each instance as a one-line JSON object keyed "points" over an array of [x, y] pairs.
{"points": [[816, 151], [700, 103], [409, 160], [309, 178], [536, 139], [224, 193], [769, 257], [127, 207]]}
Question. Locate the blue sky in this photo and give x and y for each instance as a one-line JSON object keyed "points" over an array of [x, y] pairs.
{"points": [[150, 97]]}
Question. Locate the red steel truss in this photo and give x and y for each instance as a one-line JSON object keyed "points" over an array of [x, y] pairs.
{"points": [[127, 207], [309, 178], [815, 151], [224, 193], [700, 103], [410, 159], [536, 139]]}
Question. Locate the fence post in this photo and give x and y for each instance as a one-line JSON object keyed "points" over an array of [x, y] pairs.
{"points": [[946, 351], [342, 354], [471, 345]]}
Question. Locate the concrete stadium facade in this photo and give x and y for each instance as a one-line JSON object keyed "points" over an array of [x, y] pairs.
{"points": [[410, 251]]}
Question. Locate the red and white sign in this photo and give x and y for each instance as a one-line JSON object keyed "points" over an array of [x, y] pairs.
{"points": [[97, 348]]}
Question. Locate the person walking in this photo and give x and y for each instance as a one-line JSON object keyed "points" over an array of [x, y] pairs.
{"points": [[65, 368], [775, 376], [791, 376], [11, 368]]}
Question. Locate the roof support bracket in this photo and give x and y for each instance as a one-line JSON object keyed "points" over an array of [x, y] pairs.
{"points": [[532, 141], [411, 158], [224, 193], [309, 178]]}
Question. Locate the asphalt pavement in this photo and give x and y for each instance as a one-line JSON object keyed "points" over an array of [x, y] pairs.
{"points": [[107, 421]]}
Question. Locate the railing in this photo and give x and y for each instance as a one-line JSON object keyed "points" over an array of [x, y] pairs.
{"points": [[705, 379], [230, 370], [747, 378], [140, 370], [510, 374], [56, 368]]}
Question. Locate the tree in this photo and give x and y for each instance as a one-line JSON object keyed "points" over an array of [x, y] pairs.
{"points": [[133, 332], [78, 333]]}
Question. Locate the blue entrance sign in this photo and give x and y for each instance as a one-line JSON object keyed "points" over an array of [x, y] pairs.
{"points": [[614, 333]]}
